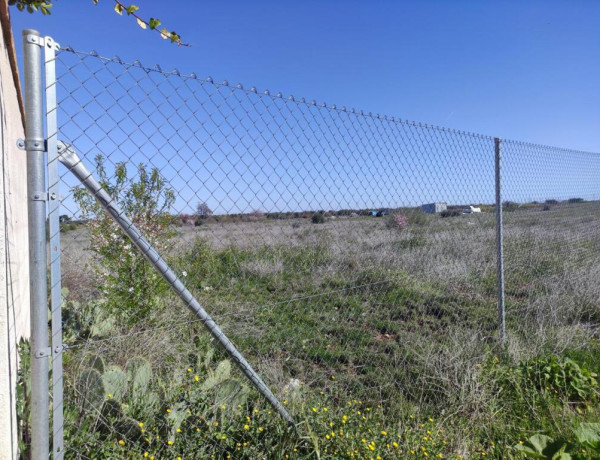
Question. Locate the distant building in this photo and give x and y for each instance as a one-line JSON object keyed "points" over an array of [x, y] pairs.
{"points": [[434, 208]]}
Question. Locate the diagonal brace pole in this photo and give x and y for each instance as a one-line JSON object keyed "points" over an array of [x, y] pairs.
{"points": [[69, 158]]}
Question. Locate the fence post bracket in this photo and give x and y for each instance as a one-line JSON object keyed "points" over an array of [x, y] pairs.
{"points": [[42, 41], [43, 353], [32, 145]]}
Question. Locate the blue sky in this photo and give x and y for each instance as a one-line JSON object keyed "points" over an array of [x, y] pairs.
{"points": [[520, 70]]}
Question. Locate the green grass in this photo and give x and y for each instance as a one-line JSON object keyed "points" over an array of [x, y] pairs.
{"points": [[405, 322]]}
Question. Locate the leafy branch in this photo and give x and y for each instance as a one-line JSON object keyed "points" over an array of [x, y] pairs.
{"points": [[44, 6], [151, 23]]}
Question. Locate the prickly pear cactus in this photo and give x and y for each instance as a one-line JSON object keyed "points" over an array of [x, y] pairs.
{"points": [[221, 373], [231, 394], [90, 389], [139, 376], [111, 409], [176, 417], [93, 362], [207, 361], [128, 429], [115, 382]]}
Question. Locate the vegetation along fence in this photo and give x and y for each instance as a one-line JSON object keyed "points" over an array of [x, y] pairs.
{"points": [[377, 288]]}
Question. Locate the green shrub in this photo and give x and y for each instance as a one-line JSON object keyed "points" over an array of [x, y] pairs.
{"points": [[561, 376], [68, 226], [510, 206], [587, 445], [128, 282], [318, 218], [416, 217], [450, 213]]}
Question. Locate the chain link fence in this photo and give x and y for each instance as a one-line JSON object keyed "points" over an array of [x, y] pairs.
{"points": [[350, 257], [551, 213]]}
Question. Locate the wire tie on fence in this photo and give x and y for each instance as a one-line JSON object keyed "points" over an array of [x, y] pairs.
{"points": [[60, 348]]}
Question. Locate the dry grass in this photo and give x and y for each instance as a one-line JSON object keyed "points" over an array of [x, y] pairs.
{"points": [[422, 299]]}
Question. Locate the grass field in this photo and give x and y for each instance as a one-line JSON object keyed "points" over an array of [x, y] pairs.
{"points": [[346, 316]]}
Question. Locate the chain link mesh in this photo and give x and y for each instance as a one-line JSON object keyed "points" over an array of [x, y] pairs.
{"points": [[298, 226]]}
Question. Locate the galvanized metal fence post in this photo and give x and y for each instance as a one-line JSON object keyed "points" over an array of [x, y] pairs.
{"points": [[500, 241], [36, 206], [50, 48]]}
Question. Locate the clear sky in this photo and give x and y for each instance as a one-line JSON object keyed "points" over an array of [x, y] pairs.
{"points": [[526, 70]]}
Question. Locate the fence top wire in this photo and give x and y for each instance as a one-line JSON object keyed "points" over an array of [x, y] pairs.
{"points": [[275, 95], [322, 105]]}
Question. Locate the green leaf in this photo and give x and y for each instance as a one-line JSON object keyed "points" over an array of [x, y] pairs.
{"points": [[119, 8], [153, 23], [589, 435], [529, 452], [132, 9], [542, 446]]}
